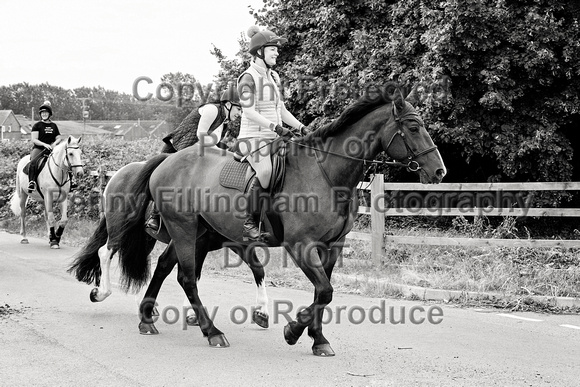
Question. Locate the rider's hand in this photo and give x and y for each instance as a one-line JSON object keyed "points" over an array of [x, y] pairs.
{"points": [[304, 130], [283, 132], [47, 146]]}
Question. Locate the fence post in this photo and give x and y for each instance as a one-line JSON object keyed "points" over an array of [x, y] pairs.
{"points": [[377, 218]]}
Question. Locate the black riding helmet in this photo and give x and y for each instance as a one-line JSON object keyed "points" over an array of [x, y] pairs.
{"points": [[45, 107]]}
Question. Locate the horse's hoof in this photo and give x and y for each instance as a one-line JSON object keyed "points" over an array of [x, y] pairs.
{"points": [[147, 329], [192, 321], [290, 337], [93, 295], [24, 241], [322, 350], [260, 318], [218, 341]]}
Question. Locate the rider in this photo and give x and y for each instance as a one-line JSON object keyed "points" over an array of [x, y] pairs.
{"points": [[262, 116], [44, 134], [208, 119]]}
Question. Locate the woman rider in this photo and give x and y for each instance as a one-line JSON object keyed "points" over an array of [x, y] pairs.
{"points": [[210, 118], [263, 114], [43, 136], [208, 122]]}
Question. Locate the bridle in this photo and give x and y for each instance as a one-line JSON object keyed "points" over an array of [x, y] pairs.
{"points": [[412, 164], [64, 171]]}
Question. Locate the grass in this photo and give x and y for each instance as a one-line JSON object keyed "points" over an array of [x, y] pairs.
{"points": [[514, 272]]}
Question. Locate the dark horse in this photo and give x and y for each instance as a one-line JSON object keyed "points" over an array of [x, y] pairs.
{"points": [[324, 166], [92, 264]]}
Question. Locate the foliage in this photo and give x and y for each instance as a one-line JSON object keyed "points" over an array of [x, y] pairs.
{"points": [[511, 66], [102, 104], [98, 155]]}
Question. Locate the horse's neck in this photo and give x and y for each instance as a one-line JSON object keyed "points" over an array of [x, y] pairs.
{"points": [[345, 161], [56, 164]]}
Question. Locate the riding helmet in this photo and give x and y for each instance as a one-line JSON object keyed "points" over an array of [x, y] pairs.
{"points": [[260, 39]]}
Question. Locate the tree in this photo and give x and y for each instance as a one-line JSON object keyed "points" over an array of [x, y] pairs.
{"points": [[511, 67]]}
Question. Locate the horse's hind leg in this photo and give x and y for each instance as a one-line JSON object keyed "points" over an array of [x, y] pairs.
{"points": [[165, 265], [103, 290], [191, 254]]}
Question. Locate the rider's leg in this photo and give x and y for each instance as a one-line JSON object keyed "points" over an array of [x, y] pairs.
{"points": [[154, 219], [262, 164], [34, 154]]}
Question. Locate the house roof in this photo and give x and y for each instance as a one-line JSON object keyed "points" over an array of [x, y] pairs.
{"points": [[4, 114], [120, 128], [65, 127], [79, 129]]}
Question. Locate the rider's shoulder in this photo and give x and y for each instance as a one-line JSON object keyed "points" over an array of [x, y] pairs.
{"points": [[210, 108]]}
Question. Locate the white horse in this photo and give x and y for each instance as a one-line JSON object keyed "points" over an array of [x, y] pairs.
{"points": [[53, 187]]}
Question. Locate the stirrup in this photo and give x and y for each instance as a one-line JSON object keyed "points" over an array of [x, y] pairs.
{"points": [[153, 223], [31, 186]]}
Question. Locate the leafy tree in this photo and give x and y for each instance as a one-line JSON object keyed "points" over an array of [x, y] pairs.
{"points": [[499, 77]]}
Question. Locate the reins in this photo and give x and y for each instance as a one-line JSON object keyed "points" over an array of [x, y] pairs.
{"points": [[64, 171]]}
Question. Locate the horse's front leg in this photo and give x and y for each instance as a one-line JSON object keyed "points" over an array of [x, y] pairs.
{"points": [[308, 259], [50, 220], [63, 220], [260, 315], [328, 258], [22, 204]]}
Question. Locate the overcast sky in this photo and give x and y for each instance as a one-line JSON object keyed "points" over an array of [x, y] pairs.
{"points": [[110, 43]]}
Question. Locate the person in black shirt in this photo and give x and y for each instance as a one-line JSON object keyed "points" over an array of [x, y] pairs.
{"points": [[44, 134]]}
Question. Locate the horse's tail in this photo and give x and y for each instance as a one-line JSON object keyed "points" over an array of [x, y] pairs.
{"points": [[132, 243], [87, 265], [15, 199]]}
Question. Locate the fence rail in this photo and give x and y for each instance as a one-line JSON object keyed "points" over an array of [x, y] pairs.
{"points": [[378, 211]]}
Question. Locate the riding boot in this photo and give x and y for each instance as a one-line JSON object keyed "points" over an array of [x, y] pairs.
{"points": [[154, 220], [32, 176], [251, 230]]}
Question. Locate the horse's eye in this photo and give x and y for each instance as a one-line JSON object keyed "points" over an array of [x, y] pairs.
{"points": [[414, 129]]}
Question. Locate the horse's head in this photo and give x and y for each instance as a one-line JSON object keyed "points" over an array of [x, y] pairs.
{"points": [[71, 155], [406, 140]]}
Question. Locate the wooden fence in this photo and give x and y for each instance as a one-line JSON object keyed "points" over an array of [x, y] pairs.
{"points": [[424, 202], [423, 207]]}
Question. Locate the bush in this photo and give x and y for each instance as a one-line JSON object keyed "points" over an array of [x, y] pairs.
{"points": [[98, 155]]}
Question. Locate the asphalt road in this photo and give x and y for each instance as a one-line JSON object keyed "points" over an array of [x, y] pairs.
{"points": [[51, 334]]}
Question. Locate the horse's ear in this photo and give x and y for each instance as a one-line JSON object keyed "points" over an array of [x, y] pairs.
{"points": [[413, 97], [69, 140], [79, 140]]}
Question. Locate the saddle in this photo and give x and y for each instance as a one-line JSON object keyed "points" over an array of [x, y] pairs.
{"points": [[237, 173], [40, 163]]}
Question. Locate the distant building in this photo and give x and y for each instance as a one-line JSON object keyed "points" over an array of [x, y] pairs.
{"points": [[133, 130], [66, 128], [10, 126]]}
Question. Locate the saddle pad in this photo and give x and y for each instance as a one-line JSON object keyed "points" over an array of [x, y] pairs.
{"points": [[233, 175], [41, 161]]}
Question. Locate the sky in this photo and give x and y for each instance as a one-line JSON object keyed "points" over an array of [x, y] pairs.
{"points": [[111, 43]]}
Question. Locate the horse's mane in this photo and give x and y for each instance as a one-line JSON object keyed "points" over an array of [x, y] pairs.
{"points": [[366, 104]]}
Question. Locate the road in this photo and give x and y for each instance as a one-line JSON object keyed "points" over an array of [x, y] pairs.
{"points": [[51, 334]]}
